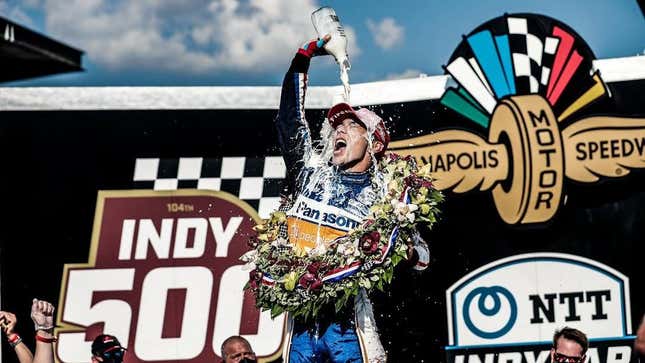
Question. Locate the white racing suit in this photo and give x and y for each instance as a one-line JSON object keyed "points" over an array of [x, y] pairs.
{"points": [[327, 203]]}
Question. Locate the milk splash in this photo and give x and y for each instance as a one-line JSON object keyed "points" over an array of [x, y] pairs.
{"points": [[326, 177], [344, 78]]}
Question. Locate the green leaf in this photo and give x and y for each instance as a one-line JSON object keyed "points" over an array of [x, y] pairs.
{"points": [[366, 284], [379, 285], [341, 302], [276, 310]]}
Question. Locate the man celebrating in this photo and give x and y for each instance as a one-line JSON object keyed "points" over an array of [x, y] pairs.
{"points": [[332, 185], [569, 346]]}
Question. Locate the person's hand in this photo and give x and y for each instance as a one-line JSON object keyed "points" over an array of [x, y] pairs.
{"points": [[42, 313], [8, 322], [315, 47]]}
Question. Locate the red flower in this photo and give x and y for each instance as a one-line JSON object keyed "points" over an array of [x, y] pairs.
{"points": [[367, 223], [426, 183], [314, 267], [316, 285], [307, 279], [310, 281], [369, 242], [255, 277]]}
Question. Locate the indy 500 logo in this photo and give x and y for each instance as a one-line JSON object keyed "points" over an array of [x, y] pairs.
{"points": [[163, 275]]}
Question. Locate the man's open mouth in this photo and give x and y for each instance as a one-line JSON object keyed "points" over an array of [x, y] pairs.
{"points": [[340, 144]]}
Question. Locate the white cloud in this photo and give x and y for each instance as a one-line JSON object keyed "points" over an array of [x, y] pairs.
{"points": [[198, 36], [386, 33], [16, 14], [31, 3], [408, 73]]}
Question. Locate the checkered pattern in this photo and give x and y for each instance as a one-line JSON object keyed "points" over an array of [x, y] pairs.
{"points": [[526, 49], [550, 48], [257, 181]]}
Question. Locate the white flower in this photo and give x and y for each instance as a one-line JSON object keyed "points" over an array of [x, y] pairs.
{"points": [[320, 250], [250, 256], [248, 266], [404, 211], [348, 248], [281, 242]]}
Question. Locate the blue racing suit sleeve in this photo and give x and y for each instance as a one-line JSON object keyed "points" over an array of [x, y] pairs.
{"points": [[292, 128]]}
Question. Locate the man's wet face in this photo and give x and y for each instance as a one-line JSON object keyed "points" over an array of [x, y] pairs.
{"points": [[350, 144]]}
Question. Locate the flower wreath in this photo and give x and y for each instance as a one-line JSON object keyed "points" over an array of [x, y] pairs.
{"points": [[288, 278]]}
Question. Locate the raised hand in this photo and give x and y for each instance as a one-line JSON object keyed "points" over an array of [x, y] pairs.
{"points": [[315, 47], [42, 313], [7, 322]]}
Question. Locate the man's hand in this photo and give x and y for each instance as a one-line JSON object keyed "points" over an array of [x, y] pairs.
{"points": [[7, 322], [42, 313], [315, 47]]}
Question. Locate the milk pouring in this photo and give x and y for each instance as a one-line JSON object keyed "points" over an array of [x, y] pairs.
{"points": [[326, 22]]}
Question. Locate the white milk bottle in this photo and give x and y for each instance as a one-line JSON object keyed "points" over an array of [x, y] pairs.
{"points": [[326, 22]]}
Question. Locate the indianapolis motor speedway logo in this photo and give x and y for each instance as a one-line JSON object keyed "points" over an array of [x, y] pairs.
{"points": [[526, 79]]}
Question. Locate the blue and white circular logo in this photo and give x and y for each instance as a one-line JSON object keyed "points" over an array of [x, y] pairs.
{"points": [[490, 312]]}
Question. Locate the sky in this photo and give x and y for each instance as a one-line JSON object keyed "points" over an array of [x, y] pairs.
{"points": [[251, 42]]}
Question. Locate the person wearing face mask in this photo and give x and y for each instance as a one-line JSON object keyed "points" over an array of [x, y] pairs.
{"points": [[331, 185], [569, 346], [236, 349]]}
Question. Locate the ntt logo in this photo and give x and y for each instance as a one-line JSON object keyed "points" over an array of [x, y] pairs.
{"points": [[523, 298], [489, 301]]}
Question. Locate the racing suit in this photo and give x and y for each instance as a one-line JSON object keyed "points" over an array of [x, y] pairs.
{"points": [[326, 204]]}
